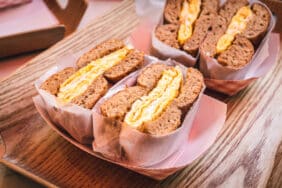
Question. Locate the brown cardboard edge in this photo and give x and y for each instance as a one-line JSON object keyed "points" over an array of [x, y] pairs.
{"points": [[31, 40]]}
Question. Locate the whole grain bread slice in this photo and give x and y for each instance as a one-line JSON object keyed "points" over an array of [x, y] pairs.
{"points": [[172, 11], [258, 25], [230, 8], [168, 121], [150, 75], [52, 84], [238, 54], [133, 61], [190, 90], [168, 34], [120, 103], [218, 28], [93, 93], [99, 51], [209, 7], [202, 26]]}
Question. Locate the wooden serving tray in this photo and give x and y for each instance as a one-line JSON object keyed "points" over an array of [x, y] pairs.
{"points": [[248, 151]]}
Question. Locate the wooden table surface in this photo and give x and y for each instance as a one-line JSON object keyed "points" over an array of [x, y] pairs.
{"points": [[247, 153]]}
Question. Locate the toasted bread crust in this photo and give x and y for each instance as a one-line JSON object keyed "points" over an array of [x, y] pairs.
{"points": [[258, 25], [99, 51], [150, 75], [52, 84], [167, 122], [168, 34], [238, 54], [172, 11], [120, 103], [190, 90], [92, 94], [133, 61]]}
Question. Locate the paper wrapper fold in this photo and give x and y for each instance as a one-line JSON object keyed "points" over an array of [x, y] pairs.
{"points": [[123, 143], [77, 121], [231, 81]]}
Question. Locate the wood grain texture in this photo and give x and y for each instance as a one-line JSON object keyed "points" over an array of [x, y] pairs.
{"points": [[247, 152]]}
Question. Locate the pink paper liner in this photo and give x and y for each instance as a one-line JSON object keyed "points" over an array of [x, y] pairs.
{"points": [[232, 87], [202, 135], [123, 143]]}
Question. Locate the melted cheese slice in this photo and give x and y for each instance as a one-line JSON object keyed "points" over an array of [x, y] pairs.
{"points": [[237, 25], [188, 15], [77, 84], [150, 106]]}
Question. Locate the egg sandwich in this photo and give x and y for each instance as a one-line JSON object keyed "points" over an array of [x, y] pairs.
{"points": [[95, 72], [236, 32], [186, 23], [158, 102]]}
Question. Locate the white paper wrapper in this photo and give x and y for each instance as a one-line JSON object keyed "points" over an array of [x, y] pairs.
{"points": [[77, 121], [122, 143]]}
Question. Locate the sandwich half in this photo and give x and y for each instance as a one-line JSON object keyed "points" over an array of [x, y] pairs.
{"points": [[187, 23], [96, 71], [159, 101], [236, 32]]}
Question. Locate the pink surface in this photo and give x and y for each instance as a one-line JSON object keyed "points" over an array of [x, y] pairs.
{"points": [[28, 17], [10, 23], [9, 3]]}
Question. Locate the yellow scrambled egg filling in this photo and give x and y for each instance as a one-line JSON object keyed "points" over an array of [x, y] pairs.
{"points": [[237, 25], [150, 106], [188, 15], [77, 84]]}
